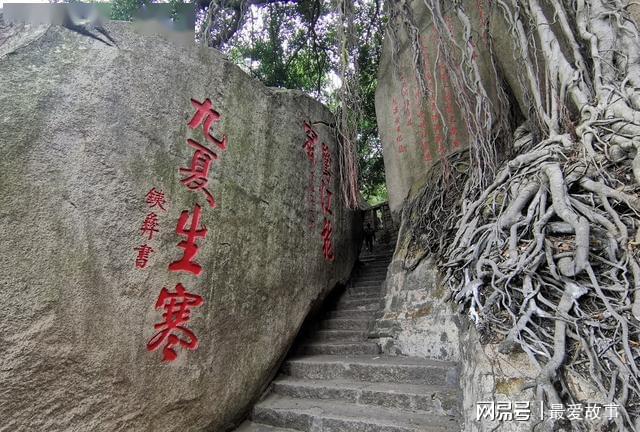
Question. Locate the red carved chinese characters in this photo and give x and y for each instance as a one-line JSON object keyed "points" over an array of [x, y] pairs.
{"points": [[178, 305], [309, 148], [422, 124], [397, 123], [483, 21], [198, 174], [150, 225], [155, 198], [310, 143], [325, 193], [143, 255], [327, 243], [205, 113], [435, 116], [186, 263], [325, 196], [449, 108], [177, 309], [408, 113]]}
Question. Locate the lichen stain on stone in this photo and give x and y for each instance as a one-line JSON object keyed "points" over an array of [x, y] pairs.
{"points": [[439, 291], [422, 312], [509, 386]]}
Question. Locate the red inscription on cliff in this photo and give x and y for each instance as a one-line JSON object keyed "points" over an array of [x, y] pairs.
{"points": [[177, 312], [177, 306]]}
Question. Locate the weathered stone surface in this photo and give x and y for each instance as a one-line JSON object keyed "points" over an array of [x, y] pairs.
{"points": [[488, 376], [417, 319], [86, 130], [416, 131]]}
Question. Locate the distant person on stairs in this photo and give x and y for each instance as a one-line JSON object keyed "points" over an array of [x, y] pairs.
{"points": [[369, 237]]}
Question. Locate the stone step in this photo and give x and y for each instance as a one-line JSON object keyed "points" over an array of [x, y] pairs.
{"points": [[369, 292], [379, 270], [377, 258], [334, 416], [338, 348], [364, 313], [432, 399], [372, 272], [373, 265], [367, 285], [249, 426], [362, 294], [338, 335], [345, 324], [369, 271], [380, 368], [365, 290], [370, 278], [351, 303]]}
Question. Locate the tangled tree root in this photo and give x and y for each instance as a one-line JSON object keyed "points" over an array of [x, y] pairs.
{"points": [[544, 255], [543, 260]]}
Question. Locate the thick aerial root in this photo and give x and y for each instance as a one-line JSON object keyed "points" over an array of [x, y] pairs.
{"points": [[544, 261], [543, 253]]}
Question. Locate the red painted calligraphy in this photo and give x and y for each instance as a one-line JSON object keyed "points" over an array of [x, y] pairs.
{"points": [[326, 173], [422, 124], [186, 263], [435, 116], [150, 225], [449, 107], [408, 113], [448, 96], [310, 143], [327, 242], [205, 113], [143, 255], [325, 195], [396, 120], [177, 305], [155, 198], [198, 174], [309, 148], [177, 311], [483, 22]]}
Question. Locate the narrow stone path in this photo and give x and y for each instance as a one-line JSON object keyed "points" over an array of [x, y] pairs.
{"points": [[337, 380]]}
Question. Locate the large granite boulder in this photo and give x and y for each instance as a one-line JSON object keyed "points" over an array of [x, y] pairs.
{"points": [[87, 130], [417, 130]]}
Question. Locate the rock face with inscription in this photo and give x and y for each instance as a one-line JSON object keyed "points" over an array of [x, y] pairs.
{"points": [[416, 131], [130, 301]]}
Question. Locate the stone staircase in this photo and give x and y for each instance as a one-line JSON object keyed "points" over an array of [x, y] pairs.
{"points": [[337, 380]]}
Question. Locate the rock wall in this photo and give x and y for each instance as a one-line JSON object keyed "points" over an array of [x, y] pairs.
{"points": [[416, 131], [418, 320], [87, 130]]}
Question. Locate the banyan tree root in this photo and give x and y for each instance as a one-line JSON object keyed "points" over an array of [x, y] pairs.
{"points": [[544, 255]]}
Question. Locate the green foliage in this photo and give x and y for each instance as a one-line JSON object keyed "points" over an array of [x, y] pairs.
{"points": [[124, 10], [296, 45], [282, 49]]}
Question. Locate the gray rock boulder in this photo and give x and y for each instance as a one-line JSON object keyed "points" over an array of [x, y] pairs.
{"points": [[86, 132]]}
